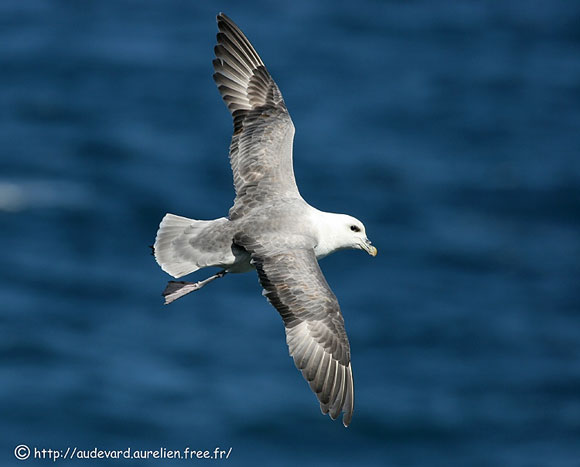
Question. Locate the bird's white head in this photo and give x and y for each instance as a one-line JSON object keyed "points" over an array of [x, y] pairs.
{"points": [[341, 232]]}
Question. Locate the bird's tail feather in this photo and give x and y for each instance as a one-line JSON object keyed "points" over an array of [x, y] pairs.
{"points": [[185, 245]]}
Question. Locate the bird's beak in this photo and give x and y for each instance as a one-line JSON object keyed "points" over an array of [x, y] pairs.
{"points": [[368, 247]]}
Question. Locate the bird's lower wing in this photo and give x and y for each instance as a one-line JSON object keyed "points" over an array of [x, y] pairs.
{"points": [[294, 284]]}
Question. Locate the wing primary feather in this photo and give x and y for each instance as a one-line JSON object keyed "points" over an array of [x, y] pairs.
{"points": [[311, 365], [325, 396], [349, 402], [339, 388], [321, 374]]}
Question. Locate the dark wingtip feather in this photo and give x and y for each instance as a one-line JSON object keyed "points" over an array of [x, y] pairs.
{"points": [[223, 18], [349, 401]]}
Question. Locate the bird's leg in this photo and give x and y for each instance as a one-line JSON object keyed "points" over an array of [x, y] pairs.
{"points": [[177, 289]]}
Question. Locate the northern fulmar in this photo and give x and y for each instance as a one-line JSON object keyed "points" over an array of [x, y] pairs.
{"points": [[270, 227]]}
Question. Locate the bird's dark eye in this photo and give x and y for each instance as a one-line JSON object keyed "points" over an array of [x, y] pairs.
{"points": [[354, 228]]}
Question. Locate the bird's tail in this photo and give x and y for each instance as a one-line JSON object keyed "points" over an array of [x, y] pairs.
{"points": [[184, 245]]}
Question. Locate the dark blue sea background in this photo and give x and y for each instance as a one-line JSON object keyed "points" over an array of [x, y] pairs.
{"points": [[450, 128]]}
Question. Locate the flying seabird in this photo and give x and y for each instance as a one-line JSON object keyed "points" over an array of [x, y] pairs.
{"points": [[270, 228]]}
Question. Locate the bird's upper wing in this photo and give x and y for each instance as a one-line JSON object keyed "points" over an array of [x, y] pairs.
{"points": [[295, 285], [261, 147]]}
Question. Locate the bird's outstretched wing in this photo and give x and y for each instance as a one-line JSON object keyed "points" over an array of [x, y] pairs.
{"points": [[261, 147], [295, 285]]}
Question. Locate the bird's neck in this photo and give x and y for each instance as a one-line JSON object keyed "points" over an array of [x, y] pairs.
{"points": [[327, 226]]}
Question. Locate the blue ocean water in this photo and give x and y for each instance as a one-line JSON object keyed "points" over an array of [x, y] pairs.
{"points": [[452, 129]]}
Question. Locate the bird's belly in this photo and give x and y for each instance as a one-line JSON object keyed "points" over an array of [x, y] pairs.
{"points": [[241, 262]]}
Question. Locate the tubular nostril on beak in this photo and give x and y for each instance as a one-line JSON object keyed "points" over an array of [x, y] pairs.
{"points": [[369, 248]]}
